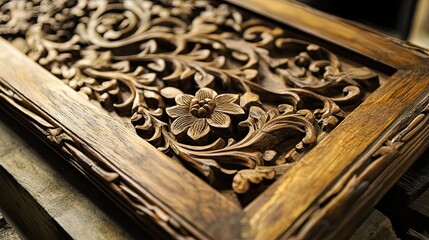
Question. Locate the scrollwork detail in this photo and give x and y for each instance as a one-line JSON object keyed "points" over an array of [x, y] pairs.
{"points": [[235, 98]]}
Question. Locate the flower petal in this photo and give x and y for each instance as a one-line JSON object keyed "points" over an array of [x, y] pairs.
{"points": [[181, 124], [204, 93], [230, 108], [184, 99], [227, 98], [177, 111], [219, 120], [199, 129]]}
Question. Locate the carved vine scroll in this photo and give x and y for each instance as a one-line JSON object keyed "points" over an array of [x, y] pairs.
{"points": [[233, 97]]}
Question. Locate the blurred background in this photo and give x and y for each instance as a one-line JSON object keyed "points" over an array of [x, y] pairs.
{"points": [[405, 19]]}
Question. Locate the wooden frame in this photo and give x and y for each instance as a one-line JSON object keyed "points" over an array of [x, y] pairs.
{"points": [[325, 195]]}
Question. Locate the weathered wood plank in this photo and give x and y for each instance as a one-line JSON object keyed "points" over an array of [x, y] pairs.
{"points": [[412, 184], [416, 235], [365, 129]]}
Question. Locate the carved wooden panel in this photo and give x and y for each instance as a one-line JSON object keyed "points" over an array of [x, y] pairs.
{"points": [[238, 100], [233, 97]]}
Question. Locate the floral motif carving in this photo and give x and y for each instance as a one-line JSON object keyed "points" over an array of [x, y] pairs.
{"points": [[233, 97], [206, 111]]}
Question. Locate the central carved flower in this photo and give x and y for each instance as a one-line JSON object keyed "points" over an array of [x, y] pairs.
{"points": [[202, 108], [205, 111]]}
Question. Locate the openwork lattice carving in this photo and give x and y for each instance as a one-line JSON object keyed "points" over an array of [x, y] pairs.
{"points": [[230, 96]]}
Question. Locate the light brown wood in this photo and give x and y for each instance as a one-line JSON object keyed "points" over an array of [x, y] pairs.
{"points": [[238, 100], [363, 130], [264, 98], [82, 123]]}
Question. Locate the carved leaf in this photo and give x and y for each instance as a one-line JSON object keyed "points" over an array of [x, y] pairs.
{"points": [[184, 99], [203, 79], [158, 65], [170, 92], [243, 178], [249, 99], [360, 73], [186, 74], [227, 98], [229, 108]]}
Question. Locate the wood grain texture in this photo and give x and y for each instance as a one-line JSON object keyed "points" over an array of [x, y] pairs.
{"points": [[318, 173], [335, 184], [144, 169], [236, 100], [377, 174], [347, 34], [54, 185]]}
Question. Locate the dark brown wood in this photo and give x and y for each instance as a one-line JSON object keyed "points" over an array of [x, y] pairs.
{"points": [[421, 204], [376, 227], [237, 100], [416, 180], [418, 217], [409, 213]]}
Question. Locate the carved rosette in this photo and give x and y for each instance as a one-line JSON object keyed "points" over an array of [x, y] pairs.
{"points": [[235, 98], [203, 113]]}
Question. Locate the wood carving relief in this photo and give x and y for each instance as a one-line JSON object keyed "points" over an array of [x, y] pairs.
{"points": [[233, 97], [90, 162], [362, 177]]}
